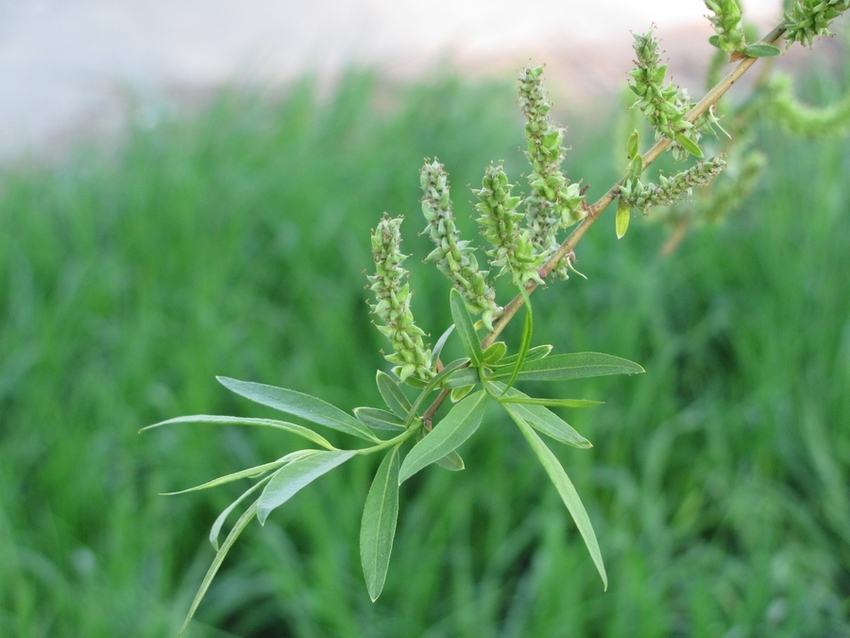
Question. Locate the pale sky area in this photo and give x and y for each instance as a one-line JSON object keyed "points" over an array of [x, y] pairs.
{"points": [[67, 66]]}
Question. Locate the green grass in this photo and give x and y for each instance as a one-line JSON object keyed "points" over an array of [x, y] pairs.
{"points": [[234, 242]]}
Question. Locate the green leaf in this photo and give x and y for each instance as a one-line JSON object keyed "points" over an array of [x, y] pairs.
{"points": [[632, 147], [379, 419], [761, 51], [462, 378], [215, 530], [251, 472], [546, 422], [537, 352], [289, 479], [553, 403], [495, 352], [689, 145], [300, 430], [567, 492], [299, 404], [451, 462], [461, 392], [438, 347], [378, 525], [624, 214], [714, 41], [439, 378], [525, 340], [635, 168], [465, 328], [457, 426], [238, 528], [392, 394], [576, 365]]}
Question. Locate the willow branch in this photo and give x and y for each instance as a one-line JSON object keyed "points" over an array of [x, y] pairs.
{"points": [[594, 211]]}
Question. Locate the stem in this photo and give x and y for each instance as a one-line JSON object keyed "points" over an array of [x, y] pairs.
{"points": [[383, 445], [602, 203]]}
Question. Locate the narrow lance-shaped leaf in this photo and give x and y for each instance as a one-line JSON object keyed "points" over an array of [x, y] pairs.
{"points": [[576, 365], [438, 347], [624, 214], [455, 428], [215, 530], [207, 419], [633, 145], [289, 479], [238, 528], [379, 419], [553, 403], [466, 377], [537, 352], [689, 145], [392, 394], [451, 461], [378, 525], [541, 418], [548, 423], [567, 492], [465, 328], [251, 472], [299, 404]]}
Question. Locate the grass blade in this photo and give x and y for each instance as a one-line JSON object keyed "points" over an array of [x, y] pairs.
{"points": [[567, 492], [457, 426], [299, 404], [378, 525], [465, 328], [289, 479], [292, 428]]}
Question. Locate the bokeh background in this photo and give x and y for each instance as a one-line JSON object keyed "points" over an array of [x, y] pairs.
{"points": [[181, 199]]}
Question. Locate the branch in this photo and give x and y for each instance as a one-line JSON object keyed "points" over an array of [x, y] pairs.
{"points": [[594, 211]]}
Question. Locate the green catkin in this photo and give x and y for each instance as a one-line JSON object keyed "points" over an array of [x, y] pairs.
{"points": [[663, 106], [500, 222], [454, 258], [670, 190], [728, 25], [554, 203], [809, 19], [784, 109], [392, 304]]}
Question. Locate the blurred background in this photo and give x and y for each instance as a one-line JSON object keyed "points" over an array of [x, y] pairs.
{"points": [[186, 190]]}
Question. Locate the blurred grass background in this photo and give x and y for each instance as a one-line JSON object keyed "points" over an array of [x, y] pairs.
{"points": [[233, 242]]}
